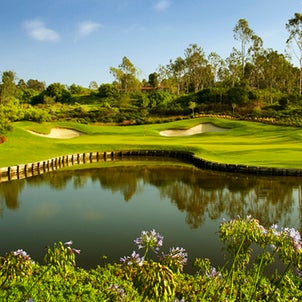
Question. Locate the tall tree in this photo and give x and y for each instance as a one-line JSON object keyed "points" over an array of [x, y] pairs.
{"points": [[197, 68], [166, 78], [8, 88], [243, 33], [278, 72], [126, 75], [231, 73], [294, 27], [252, 67], [177, 71], [216, 64]]}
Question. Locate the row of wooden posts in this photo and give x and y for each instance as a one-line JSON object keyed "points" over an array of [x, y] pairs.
{"points": [[49, 165], [41, 167]]}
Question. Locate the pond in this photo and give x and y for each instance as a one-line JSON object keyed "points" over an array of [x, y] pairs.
{"points": [[104, 207]]}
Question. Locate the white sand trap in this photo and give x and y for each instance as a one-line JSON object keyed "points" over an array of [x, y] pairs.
{"points": [[202, 128], [61, 133]]}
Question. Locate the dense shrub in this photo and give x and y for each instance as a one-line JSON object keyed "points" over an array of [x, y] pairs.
{"points": [[36, 115], [137, 277]]}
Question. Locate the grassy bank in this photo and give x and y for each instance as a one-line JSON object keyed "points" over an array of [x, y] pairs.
{"points": [[246, 143]]}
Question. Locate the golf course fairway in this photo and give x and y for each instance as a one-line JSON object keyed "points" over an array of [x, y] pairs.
{"points": [[233, 142]]}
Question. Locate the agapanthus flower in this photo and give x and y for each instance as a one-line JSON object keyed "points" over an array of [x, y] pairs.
{"points": [[295, 236], [213, 273], [274, 229], [179, 254], [118, 289], [71, 249], [150, 239], [21, 253], [262, 229], [132, 260], [76, 251]]}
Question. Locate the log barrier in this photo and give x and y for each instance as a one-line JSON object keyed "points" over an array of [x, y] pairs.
{"points": [[32, 169]]}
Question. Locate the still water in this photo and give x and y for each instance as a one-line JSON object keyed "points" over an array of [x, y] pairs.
{"points": [[104, 208]]}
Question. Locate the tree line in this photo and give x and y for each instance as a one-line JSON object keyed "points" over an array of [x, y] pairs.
{"points": [[251, 81]]}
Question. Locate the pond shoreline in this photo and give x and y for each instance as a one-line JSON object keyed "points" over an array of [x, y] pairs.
{"points": [[32, 169]]}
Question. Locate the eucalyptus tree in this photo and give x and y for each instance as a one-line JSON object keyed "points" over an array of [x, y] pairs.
{"points": [[232, 71], [252, 68], [255, 71], [166, 79], [278, 72], [294, 27], [198, 71], [178, 70], [246, 35], [216, 64], [125, 75]]}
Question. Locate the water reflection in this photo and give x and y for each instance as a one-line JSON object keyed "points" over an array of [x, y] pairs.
{"points": [[196, 192], [196, 197]]}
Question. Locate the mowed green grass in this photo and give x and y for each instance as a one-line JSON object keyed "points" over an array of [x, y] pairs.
{"points": [[247, 143]]}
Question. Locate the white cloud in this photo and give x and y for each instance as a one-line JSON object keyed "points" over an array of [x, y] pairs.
{"points": [[162, 5], [87, 27], [38, 31]]}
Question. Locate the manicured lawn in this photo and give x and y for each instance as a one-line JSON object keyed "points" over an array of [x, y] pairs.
{"points": [[246, 143]]}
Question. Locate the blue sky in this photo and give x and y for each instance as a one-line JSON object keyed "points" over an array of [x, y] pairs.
{"points": [[77, 41]]}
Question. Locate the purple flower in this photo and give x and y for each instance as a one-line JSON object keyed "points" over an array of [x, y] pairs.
{"points": [[118, 289], [274, 229], [213, 273], [295, 235], [262, 229], [179, 254], [21, 253], [131, 260], [149, 239], [71, 249], [76, 251]]}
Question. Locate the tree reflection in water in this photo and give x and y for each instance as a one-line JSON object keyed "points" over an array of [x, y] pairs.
{"points": [[195, 192]]}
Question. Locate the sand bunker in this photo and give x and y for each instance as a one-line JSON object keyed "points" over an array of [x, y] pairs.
{"points": [[202, 128], [61, 133]]}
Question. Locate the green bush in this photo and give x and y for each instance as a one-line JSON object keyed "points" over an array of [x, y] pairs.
{"points": [[244, 277]]}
